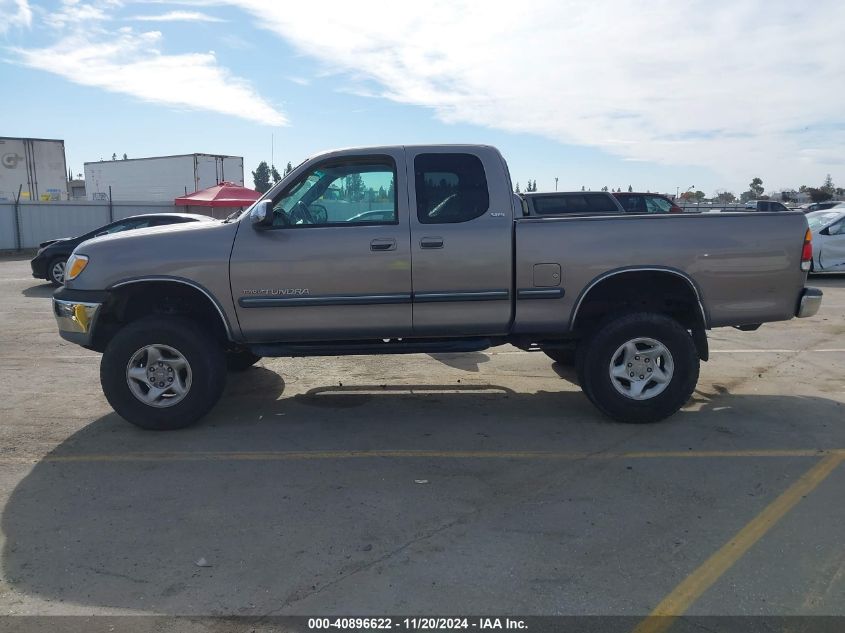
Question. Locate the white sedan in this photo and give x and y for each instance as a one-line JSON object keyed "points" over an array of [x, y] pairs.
{"points": [[828, 229]]}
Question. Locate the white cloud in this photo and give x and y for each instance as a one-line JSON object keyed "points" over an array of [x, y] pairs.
{"points": [[16, 14], [723, 84], [73, 13], [132, 63], [178, 16]]}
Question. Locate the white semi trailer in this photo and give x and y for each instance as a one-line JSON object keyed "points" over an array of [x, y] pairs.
{"points": [[35, 167], [160, 178]]}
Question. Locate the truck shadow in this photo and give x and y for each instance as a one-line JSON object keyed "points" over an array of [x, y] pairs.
{"points": [[43, 291], [95, 524]]}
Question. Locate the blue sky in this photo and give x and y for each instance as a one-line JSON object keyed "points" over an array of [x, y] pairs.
{"points": [[658, 95]]}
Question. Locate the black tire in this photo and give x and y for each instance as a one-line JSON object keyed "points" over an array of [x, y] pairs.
{"points": [[50, 265], [203, 353], [240, 360], [596, 354], [562, 356]]}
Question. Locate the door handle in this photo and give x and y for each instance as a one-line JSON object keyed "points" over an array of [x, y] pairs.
{"points": [[431, 242], [383, 245]]}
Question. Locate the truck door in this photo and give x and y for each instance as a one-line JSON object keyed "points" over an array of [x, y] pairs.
{"points": [[336, 264], [461, 241]]}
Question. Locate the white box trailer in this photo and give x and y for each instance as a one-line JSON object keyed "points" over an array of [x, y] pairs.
{"points": [[35, 166], [160, 178]]}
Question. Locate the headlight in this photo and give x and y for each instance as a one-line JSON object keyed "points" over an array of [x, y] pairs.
{"points": [[75, 265]]}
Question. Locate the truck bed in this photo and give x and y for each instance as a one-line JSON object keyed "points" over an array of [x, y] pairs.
{"points": [[745, 267]]}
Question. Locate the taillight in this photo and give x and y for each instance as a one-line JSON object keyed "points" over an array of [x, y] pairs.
{"points": [[807, 251]]}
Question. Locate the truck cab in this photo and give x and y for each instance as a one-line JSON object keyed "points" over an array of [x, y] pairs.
{"points": [[394, 242]]}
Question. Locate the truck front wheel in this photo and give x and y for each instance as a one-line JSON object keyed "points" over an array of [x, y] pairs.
{"points": [[162, 373], [639, 368]]}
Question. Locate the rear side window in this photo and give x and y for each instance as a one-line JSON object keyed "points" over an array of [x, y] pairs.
{"points": [[632, 204], [600, 203], [450, 188], [574, 203]]}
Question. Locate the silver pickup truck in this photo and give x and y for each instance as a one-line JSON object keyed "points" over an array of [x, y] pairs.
{"points": [[425, 249]]}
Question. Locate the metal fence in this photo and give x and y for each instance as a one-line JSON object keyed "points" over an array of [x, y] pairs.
{"points": [[26, 224]]}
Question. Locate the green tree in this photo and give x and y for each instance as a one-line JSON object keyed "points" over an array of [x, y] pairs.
{"points": [[275, 174], [756, 187], [725, 197], [517, 187], [630, 189], [354, 185], [819, 195], [288, 168], [261, 177], [125, 157], [828, 186], [604, 188]]}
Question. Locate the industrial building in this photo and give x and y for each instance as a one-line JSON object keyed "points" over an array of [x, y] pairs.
{"points": [[160, 178]]}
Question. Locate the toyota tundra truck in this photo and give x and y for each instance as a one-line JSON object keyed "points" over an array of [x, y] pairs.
{"points": [[425, 249]]}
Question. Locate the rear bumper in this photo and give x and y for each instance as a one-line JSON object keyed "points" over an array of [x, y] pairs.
{"points": [[76, 314], [809, 303]]}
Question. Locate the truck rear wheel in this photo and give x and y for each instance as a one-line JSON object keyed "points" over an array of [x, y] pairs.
{"points": [[162, 373], [639, 368]]}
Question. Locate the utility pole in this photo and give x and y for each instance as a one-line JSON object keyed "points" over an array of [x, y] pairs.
{"points": [[555, 183]]}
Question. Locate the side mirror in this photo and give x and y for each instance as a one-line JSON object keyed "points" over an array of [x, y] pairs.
{"points": [[261, 215]]}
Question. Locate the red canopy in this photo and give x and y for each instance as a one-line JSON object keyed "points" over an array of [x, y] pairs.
{"points": [[226, 194]]}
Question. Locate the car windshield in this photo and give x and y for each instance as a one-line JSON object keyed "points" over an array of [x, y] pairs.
{"points": [[819, 219]]}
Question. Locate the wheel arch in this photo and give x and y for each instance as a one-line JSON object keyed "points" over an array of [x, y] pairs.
{"points": [[132, 299], [662, 289]]}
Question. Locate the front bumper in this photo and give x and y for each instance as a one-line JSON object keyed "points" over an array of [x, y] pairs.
{"points": [[809, 303], [76, 314], [39, 267]]}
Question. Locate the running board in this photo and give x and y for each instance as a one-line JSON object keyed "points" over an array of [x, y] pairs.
{"points": [[365, 348]]}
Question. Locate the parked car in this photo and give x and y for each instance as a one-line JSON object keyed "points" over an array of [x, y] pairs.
{"points": [[819, 206], [828, 229], [765, 205], [634, 202], [570, 202], [50, 260], [455, 267]]}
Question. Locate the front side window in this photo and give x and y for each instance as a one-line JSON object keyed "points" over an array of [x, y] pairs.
{"points": [[657, 205], [340, 193], [123, 225], [450, 188]]}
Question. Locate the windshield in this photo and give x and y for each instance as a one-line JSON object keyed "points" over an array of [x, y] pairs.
{"points": [[821, 219]]}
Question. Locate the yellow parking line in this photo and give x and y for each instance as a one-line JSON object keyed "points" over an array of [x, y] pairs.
{"points": [[175, 456], [694, 585]]}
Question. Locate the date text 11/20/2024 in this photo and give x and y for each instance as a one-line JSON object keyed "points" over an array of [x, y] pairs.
{"points": [[420, 624]]}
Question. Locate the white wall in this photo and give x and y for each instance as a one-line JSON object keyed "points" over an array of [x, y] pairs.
{"points": [[41, 221]]}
